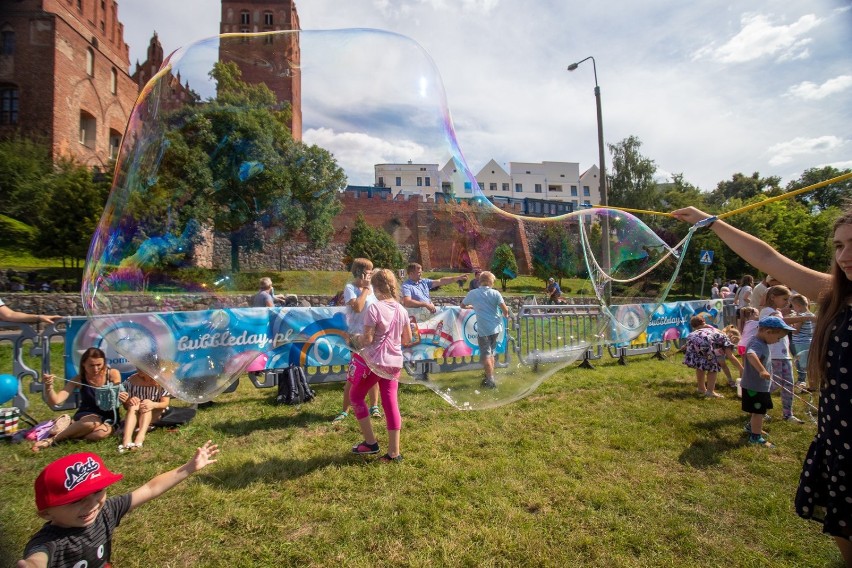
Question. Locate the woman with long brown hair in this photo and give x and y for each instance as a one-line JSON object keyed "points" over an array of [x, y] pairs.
{"points": [[825, 486], [91, 422]]}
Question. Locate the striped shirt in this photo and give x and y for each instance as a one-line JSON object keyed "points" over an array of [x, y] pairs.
{"points": [[806, 331], [153, 393]]}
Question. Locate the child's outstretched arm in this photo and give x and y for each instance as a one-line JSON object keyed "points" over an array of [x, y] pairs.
{"points": [[165, 481]]}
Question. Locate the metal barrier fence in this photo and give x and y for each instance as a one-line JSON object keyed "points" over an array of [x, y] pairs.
{"points": [[537, 334]]}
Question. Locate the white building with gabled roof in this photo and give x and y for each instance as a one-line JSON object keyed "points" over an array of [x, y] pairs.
{"points": [[532, 181]]}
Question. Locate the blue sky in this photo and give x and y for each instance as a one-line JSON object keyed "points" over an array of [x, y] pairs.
{"points": [[710, 88]]}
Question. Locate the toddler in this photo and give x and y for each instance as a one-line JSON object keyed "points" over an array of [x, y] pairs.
{"points": [[757, 377], [802, 337]]}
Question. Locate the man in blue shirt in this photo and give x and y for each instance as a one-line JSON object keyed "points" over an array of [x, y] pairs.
{"points": [[415, 290], [485, 301]]}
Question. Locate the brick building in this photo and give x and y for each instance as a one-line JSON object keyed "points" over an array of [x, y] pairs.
{"points": [[64, 76], [272, 59]]}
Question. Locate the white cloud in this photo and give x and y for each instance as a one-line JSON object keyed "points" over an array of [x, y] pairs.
{"points": [[813, 92], [356, 152], [760, 38], [785, 151]]}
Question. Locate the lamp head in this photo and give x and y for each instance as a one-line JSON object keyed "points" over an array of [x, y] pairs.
{"points": [[573, 66]]}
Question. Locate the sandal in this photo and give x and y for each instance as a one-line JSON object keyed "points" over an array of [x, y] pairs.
{"points": [[375, 412], [340, 417], [134, 447], [42, 444], [366, 449], [122, 448], [388, 459]]}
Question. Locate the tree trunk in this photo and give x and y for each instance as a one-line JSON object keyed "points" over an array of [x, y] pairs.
{"points": [[235, 254]]}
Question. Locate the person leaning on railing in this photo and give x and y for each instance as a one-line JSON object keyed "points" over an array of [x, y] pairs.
{"points": [[10, 315]]}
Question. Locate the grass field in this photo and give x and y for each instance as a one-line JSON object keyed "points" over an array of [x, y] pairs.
{"points": [[616, 466]]}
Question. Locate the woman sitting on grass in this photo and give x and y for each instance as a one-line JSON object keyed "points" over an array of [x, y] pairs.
{"points": [[91, 422]]}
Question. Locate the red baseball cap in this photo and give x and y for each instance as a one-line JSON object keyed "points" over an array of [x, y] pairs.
{"points": [[72, 478]]}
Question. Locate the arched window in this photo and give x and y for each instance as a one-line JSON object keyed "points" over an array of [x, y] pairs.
{"points": [[8, 104], [90, 62], [7, 41], [88, 127], [114, 143], [113, 81]]}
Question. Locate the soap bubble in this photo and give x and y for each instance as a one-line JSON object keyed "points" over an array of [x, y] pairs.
{"points": [[236, 158]]}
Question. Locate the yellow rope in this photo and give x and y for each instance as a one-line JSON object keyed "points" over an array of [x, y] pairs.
{"points": [[786, 195], [750, 206]]}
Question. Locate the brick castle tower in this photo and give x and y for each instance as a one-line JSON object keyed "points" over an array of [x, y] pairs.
{"points": [[274, 59], [64, 76]]}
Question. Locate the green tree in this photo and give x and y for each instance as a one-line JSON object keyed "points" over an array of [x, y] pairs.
{"points": [[504, 265], [231, 163], [372, 243], [76, 202], [631, 182], [743, 187], [23, 165], [553, 254], [832, 195]]}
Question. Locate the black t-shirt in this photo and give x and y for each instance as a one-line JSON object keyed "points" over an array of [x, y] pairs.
{"points": [[69, 546]]}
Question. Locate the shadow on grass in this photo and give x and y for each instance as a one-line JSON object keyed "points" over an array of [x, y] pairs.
{"points": [[708, 452], [301, 419], [674, 390], [244, 474]]}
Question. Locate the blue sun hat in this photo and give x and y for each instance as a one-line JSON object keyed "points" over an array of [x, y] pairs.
{"points": [[774, 322]]}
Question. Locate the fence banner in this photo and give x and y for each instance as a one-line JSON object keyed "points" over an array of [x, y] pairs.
{"points": [[670, 321], [273, 338]]}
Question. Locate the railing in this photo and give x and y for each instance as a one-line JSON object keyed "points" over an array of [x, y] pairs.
{"points": [[537, 334]]}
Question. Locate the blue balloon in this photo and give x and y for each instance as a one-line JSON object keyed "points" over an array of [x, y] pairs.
{"points": [[8, 387]]}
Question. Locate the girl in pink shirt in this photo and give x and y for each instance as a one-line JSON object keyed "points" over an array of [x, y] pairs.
{"points": [[386, 331]]}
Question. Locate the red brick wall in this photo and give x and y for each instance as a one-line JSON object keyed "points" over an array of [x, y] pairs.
{"points": [[52, 38]]}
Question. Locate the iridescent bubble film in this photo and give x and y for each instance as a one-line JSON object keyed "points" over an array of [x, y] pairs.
{"points": [[238, 156]]}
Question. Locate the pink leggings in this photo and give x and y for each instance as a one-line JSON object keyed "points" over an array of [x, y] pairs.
{"points": [[362, 379]]}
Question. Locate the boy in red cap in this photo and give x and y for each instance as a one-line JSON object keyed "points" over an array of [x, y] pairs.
{"points": [[71, 495]]}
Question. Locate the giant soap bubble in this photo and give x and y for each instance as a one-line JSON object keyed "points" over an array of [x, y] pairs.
{"points": [[237, 157]]}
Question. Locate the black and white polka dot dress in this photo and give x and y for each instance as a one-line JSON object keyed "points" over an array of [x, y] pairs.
{"points": [[825, 487]]}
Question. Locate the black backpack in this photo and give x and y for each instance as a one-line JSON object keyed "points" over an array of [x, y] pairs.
{"points": [[293, 386]]}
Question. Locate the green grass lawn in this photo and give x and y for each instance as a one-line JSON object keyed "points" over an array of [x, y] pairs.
{"points": [[616, 466]]}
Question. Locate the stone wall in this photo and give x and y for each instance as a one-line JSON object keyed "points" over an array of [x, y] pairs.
{"points": [[439, 235], [71, 304]]}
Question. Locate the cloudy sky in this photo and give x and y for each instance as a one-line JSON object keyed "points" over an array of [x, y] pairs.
{"points": [[710, 88]]}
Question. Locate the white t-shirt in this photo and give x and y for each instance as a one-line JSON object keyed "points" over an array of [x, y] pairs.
{"points": [[355, 320], [740, 296], [780, 349]]}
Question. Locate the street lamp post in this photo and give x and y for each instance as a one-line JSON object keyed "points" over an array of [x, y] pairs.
{"points": [[602, 179]]}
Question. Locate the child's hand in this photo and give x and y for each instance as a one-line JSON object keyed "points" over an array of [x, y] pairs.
{"points": [[122, 397], [47, 380], [204, 456], [146, 406], [765, 375]]}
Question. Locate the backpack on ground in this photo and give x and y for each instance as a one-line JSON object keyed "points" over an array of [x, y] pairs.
{"points": [[175, 416], [293, 386]]}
